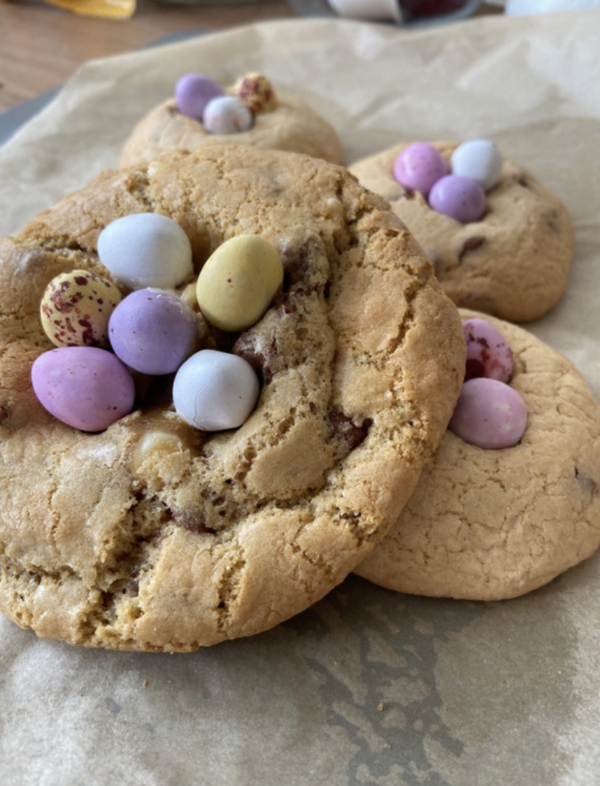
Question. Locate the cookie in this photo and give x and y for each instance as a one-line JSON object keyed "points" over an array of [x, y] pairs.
{"points": [[495, 524], [155, 535], [512, 263], [289, 124]]}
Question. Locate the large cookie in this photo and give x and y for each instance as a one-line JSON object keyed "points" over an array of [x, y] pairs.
{"points": [[152, 535], [495, 524], [293, 126], [513, 263]]}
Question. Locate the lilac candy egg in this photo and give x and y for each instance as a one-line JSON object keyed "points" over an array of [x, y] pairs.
{"points": [[488, 354], [85, 387], [193, 92], [419, 166], [153, 331], [478, 159], [227, 115], [458, 197], [489, 414]]}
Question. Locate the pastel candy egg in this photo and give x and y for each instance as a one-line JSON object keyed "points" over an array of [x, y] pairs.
{"points": [[193, 92], [87, 388], [488, 354], [146, 250], [76, 308], [238, 282], [419, 166], [459, 198], [214, 390], [479, 160], [256, 92], [489, 414], [153, 331], [227, 115]]}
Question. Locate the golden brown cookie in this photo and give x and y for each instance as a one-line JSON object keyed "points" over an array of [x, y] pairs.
{"points": [[152, 535], [495, 524], [513, 263], [292, 125]]}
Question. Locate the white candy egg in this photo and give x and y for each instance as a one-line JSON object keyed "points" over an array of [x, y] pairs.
{"points": [[146, 250], [226, 115], [479, 160], [213, 391]]}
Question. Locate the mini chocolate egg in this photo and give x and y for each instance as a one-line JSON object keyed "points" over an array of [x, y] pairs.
{"points": [[193, 92], [238, 281], [227, 115], [479, 160], [76, 308], [213, 391], [153, 331], [87, 388], [256, 92], [146, 250], [460, 198]]}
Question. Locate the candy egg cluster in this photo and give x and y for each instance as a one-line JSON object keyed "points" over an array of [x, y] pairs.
{"points": [[201, 98], [489, 413], [154, 330], [456, 189]]}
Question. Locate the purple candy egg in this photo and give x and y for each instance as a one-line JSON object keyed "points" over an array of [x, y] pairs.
{"points": [[153, 331], [419, 166], [85, 387], [459, 198], [193, 92], [489, 414], [488, 354]]}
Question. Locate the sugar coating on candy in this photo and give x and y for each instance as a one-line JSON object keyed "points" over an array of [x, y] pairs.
{"points": [[153, 331], [214, 391], [489, 414], [238, 281], [419, 166], [459, 198], [488, 353], [227, 115], [479, 160], [146, 250], [193, 92], [87, 388], [76, 308], [256, 92]]}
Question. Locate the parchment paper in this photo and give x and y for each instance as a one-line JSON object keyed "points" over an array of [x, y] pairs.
{"points": [[367, 687]]}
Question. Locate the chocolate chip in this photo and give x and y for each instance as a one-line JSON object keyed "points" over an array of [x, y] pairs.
{"points": [[190, 522], [3, 413], [257, 351], [587, 484], [346, 430]]}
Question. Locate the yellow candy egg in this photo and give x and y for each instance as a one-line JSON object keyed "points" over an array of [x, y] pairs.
{"points": [[256, 92], [76, 307], [238, 281]]}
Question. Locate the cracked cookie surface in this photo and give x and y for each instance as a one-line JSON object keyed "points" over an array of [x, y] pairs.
{"points": [[513, 264], [495, 524], [291, 126], [155, 536]]}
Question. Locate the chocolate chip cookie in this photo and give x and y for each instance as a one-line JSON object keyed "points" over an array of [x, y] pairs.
{"points": [[155, 535]]}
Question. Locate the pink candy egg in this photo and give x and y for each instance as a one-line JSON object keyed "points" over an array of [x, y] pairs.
{"points": [[193, 92], [85, 387], [153, 331], [419, 166], [488, 354], [459, 198], [489, 414]]}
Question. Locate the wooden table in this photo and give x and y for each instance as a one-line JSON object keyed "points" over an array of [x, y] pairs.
{"points": [[42, 45]]}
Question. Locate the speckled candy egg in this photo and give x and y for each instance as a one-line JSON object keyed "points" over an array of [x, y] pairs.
{"points": [[237, 283], [146, 250], [153, 331], [488, 353], [419, 166], [76, 308], [87, 388], [214, 390], [478, 159], [193, 92], [227, 115], [256, 92]]}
